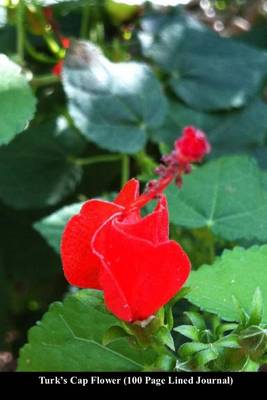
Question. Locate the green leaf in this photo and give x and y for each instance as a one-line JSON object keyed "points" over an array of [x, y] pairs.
{"points": [[227, 131], [114, 333], [8, 39], [35, 170], [264, 180], [196, 319], [205, 356], [254, 340], [164, 336], [225, 195], [14, 92], [69, 338], [189, 331], [255, 316], [113, 105], [243, 316], [230, 342], [260, 154], [206, 71], [250, 366], [236, 274], [255, 36], [51, 227], [190, 348]]}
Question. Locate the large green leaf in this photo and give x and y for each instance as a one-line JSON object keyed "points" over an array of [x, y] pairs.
{"points": [[8, 39], [205, 70], [51, 227], [256, 36], [261, 156], [14, 92], [114, 105], [225, 195], [69, 338], [236, 274], [35, 169], [264, 179], [227, 131]]}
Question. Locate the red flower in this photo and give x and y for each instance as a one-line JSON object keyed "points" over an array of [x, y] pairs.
{"points": [[57, 68], [192, 146], [129, 257], [65, 42]]}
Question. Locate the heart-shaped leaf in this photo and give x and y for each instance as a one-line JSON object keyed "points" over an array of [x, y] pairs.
{"points": [[14, 90], [206, 71], [51, 227], [35, 169], [69, 338], [226, 195], [114, 105], [234, 276]]}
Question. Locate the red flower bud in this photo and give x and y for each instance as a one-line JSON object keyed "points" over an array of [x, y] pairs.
{"points": [[65, 42], [129, 257], [192, 146], [48, 13], [57, 68]]}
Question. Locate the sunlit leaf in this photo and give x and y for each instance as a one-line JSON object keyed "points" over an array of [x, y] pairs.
{"points": [[226, 195], [113, 104], [234, 275]]}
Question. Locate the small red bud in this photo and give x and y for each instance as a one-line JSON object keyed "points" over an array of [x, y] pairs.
{"points": [[192, 146], [57, 69]]}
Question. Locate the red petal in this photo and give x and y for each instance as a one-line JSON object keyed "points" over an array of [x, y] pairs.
{"points": [[128, 193], [57, 69], [138, 277], [81, 266], [154, 227]]}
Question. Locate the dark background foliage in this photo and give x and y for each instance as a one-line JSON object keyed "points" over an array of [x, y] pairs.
{"points": [[209, 71]]}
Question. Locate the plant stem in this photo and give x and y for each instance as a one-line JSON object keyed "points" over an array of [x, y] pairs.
{"points": [[39, 56], [96, 159], [85, 22], [146, 163], [44, 80], [212, 253], [20, 31], [125, 169], [50, 37]]}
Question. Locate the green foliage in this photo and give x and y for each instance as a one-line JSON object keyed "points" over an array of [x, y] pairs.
{"points": [[206, 71], [234, 275], [225, 195], [219, 346], [51, 227], [232, 131], [69, 338], [114, 105], [36, 170], [14, 90], [155, 70]]}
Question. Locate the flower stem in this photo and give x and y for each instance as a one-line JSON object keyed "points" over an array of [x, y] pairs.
{"points": [[50, 37], [155, 191], [145, 163], [85, 22], [96, 159], [125, 169], [20, 31], [39, 56], [44, 80]]}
